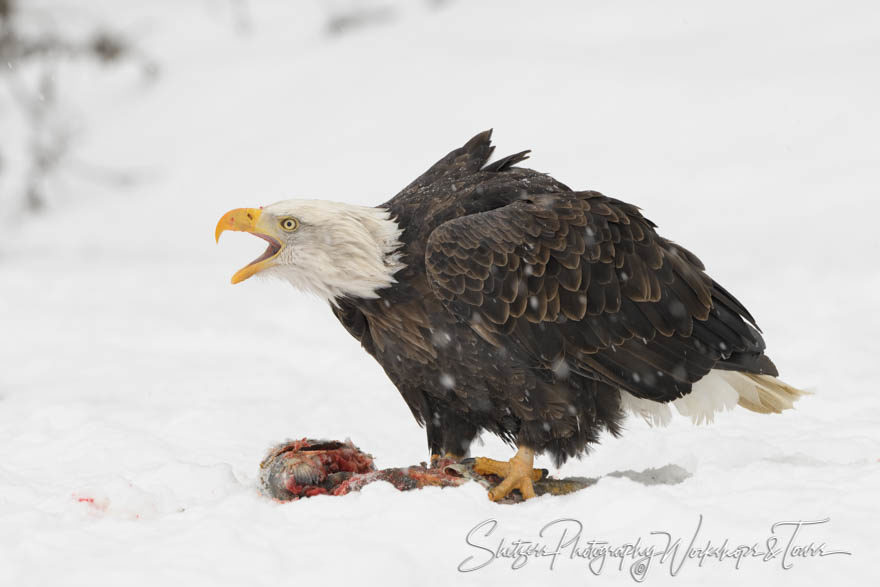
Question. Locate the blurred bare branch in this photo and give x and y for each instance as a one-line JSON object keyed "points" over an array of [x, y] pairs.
{"points": [[29, 65]]}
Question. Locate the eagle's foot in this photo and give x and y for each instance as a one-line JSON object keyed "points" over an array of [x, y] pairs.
{"points": [[517, 473]]}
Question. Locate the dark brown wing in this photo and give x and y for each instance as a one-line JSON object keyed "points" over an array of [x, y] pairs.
{"points": [[581, 282], [466, 160]]}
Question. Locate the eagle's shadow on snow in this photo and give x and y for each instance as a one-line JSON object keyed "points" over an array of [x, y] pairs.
{"points": [[670, 474]]}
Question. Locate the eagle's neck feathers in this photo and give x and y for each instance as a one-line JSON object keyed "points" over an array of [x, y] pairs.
{"points": [[342, 250]]}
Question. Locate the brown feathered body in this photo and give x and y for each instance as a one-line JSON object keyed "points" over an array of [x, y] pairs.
{"points": [[524, 309]]}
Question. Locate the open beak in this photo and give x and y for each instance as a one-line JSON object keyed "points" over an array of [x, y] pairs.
{"points": [[248, 220]]}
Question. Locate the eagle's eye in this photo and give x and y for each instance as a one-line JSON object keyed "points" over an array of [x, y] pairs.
{"points": [[289, 224]]}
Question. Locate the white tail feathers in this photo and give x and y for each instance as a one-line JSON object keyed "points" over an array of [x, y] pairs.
{"points": [[764, 394], [716, 392]]}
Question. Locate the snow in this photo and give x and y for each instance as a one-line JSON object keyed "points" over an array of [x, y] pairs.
{"points": [[139, 390]]}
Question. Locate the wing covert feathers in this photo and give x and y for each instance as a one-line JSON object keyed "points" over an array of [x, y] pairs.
{"points": [[583, 278]]}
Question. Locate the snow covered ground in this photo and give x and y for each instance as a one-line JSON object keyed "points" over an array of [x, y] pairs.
{"points": [[139, 390]]}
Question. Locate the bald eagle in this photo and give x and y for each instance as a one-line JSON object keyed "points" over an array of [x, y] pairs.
{"points": [[496, 298]]}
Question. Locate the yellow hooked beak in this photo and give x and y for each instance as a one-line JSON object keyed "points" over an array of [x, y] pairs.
{"points": [[248, 220]]}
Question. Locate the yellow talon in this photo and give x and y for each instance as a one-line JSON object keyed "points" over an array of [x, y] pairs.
{"points": [[517, 473]]}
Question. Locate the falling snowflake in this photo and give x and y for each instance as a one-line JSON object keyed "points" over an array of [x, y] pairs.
{"points": [[561, 368]]}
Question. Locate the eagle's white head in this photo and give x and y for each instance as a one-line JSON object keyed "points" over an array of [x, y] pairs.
{"points": [[326, 248]]}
